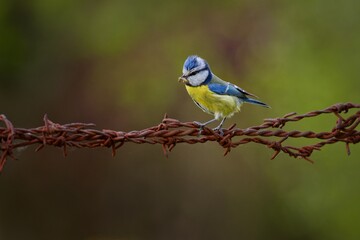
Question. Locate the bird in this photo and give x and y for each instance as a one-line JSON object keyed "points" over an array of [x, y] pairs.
{"points": [[212, 94]]}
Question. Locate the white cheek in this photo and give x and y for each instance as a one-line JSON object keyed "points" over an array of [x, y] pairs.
{"points": [[198, 78]]}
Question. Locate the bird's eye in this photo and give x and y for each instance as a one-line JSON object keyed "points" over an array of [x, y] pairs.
{"points": [[193, 73]]}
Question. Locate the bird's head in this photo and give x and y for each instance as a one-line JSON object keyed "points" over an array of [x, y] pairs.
{"points": [[196, 71]]}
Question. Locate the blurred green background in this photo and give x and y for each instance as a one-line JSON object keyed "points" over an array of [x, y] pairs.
{"points": [[116, 64]]}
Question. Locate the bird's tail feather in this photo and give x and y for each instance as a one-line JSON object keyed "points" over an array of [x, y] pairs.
{"points": [[255, 102]]}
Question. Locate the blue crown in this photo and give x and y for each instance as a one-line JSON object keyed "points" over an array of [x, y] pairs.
{"points": [[191, 62]]}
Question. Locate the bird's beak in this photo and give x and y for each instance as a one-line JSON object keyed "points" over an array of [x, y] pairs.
{"points": [[183, 79]]}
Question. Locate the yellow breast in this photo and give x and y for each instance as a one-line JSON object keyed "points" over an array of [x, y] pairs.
{"points": [[219, 105]]}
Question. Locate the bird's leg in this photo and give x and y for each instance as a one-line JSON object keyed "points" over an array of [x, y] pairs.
{"points": [[202, 125], [218, 128]]}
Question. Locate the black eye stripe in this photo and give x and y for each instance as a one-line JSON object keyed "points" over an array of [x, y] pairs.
{"points": [[193, 73], [196, 72]]}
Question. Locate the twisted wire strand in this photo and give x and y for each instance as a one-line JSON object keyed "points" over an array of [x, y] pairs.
{"points": [[171, 132]]}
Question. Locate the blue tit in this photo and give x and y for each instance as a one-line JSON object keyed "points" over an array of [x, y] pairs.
{"points": [[210, 93]]}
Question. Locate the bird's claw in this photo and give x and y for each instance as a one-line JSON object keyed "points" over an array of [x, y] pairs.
{"points": [[220, 130], [201, 126]]}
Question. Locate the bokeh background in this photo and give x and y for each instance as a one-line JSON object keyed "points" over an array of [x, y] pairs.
{"points": [[116, 64]]}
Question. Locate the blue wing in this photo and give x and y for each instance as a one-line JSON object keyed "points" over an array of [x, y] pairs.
{"points": [[227, 89], [233, 90]]}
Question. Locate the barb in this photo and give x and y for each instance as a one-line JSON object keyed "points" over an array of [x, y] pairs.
{"points": [[171, 132]]}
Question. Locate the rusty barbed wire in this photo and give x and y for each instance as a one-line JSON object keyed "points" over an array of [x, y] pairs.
{"points": [[171, 132]]}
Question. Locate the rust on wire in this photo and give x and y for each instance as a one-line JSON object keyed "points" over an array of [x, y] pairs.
{"points": [[171, 132]]}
